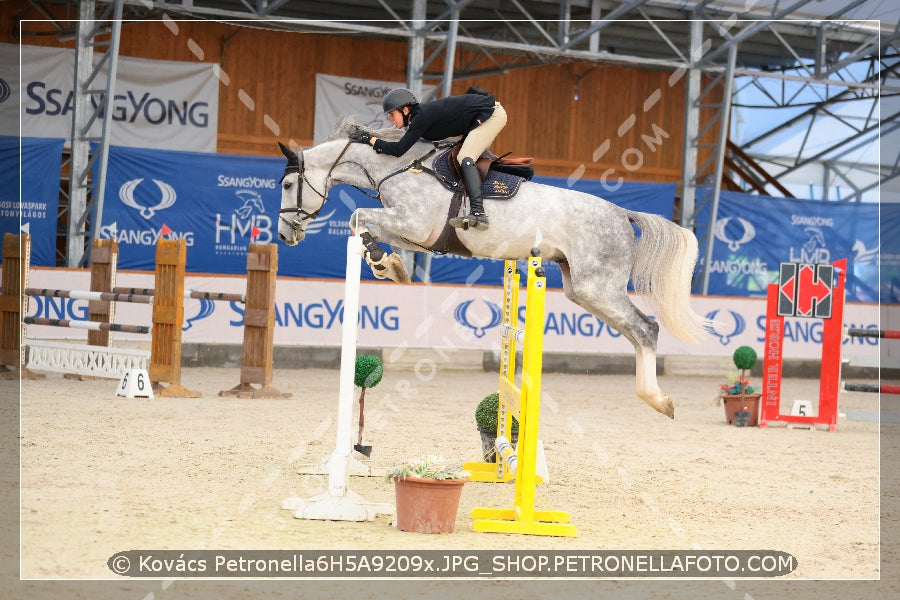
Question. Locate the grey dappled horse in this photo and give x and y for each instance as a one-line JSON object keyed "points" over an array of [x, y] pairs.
{"points": [[593, 241]]}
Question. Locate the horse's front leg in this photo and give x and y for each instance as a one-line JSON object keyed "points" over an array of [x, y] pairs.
{"points": [[369, 224], [384, 265]]}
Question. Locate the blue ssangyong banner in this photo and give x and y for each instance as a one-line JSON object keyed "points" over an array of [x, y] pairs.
{"points": [[890, 252], [38, 204], [217, 202], [753, 234]]}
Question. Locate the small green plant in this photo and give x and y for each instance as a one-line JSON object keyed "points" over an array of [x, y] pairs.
{"points": [[368, 372], [736, 386], [486, 414], [428, 466], [744, 359]]}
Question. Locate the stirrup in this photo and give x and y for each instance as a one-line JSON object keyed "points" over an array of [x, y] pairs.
{"points": [[476, 220]]}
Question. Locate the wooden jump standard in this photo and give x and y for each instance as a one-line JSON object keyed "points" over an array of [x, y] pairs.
{"points": [[167, 298]]}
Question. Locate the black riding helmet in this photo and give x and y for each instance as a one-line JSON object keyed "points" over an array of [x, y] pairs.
{"points": [[397, 99]]}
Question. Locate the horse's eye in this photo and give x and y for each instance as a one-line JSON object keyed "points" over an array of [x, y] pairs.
{"points": [[286, 185]]}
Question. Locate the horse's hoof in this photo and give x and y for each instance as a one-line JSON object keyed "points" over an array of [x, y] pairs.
{"points": [[380, 268], [397, 269], [662, 404], [667, 407]]}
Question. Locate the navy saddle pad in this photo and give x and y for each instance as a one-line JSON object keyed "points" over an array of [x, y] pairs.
{"points": [[496, 186]]}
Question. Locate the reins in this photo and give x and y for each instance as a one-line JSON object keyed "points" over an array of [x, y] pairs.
{"points": [[417, 166], [301, 170]]}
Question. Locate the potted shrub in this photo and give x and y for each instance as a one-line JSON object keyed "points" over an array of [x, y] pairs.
{"points": [[741, 401], [486, 421], [367, 374], [427, 494]]}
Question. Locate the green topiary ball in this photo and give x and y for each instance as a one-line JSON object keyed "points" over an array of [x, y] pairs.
{"points": [[486, 414], [368, 371], [744, 357]]}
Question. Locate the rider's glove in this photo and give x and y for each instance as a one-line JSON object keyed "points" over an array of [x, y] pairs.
{"points": [[360, 136]]}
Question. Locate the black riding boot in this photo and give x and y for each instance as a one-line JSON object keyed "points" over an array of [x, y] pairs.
{"points": [[476, 217]]}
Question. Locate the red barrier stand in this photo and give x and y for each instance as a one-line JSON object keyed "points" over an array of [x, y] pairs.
{"points": [[801, 293]]}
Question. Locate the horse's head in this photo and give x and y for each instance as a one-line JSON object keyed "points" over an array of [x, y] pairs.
{"points": [[297, 208], [310, 174]]}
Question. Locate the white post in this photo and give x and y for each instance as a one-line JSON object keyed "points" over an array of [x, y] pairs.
{"points": [[339, 503], [339, 473]]}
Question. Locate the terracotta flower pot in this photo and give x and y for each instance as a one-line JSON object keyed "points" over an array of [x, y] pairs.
{"points": [[427, 505], [734, 405]]}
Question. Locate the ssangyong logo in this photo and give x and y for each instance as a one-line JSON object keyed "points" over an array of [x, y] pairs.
{"points": [[143, 237], [461, 314], [207, 307], [727, 235], [4, 90], [720, 328], [167, 197]]}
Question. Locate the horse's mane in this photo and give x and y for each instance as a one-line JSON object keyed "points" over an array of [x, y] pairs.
{"points": [[347, 124]]}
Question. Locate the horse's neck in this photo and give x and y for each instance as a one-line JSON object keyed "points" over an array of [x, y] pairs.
{"points": [[359, 160]]}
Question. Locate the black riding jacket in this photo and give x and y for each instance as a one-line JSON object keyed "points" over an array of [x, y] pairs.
{"points": [[439, 119]]}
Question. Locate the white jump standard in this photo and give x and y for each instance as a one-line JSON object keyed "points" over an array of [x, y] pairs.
{"points": [[338, 502]]}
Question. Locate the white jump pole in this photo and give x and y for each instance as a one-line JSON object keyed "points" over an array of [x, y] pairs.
{"points": [[339, 503]]}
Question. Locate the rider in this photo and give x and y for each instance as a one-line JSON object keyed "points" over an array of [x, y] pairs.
{"points": [[476, 115]]}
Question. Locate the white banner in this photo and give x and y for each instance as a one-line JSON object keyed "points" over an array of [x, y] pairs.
{"points": [[338, 97], [309, 313], [156, 104]]}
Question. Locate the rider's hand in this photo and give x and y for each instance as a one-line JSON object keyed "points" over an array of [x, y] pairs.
{"points": [[360, 136]]}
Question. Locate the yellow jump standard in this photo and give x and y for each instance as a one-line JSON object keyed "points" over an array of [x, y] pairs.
{"points": [[526, 402]]}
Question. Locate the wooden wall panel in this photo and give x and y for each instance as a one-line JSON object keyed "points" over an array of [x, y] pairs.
{"points": [[267, 93]]}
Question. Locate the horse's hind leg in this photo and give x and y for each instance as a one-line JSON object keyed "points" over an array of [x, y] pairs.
{"points": [[612, 305]]}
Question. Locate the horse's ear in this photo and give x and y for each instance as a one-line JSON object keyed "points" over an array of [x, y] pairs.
{"points": [[290, 154]]}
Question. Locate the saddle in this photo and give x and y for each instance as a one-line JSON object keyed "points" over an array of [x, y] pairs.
{"points": [[520, 166], [500, 175]]}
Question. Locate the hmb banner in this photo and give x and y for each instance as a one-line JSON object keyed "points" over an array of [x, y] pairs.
{"points": [[156, 103], [219, 202]]}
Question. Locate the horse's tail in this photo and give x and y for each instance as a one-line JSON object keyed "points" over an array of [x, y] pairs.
{"points": [[663, 268]]}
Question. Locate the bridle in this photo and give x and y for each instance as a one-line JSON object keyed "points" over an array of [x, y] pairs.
{"points": [[298, 210], [302, 215]]}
